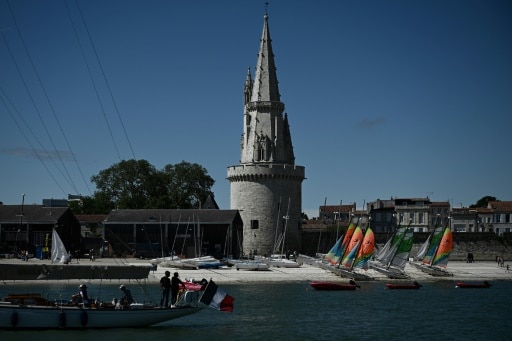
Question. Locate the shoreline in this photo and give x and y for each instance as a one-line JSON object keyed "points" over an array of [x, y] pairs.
{"points": [[462, 271]]}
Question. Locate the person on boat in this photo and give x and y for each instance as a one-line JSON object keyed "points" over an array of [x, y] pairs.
{"points": [[175, 288], [165, 285], [82, 296], [127, 298]]}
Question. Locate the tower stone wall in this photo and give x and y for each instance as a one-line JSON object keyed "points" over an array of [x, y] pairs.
{"points": [[262, 194]]}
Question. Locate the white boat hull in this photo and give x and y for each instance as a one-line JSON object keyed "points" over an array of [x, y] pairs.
{"points": [[34, 317], [432, 270], [254, 266]]}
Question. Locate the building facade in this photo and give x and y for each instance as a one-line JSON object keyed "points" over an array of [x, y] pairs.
{"points": [[266, 187]]}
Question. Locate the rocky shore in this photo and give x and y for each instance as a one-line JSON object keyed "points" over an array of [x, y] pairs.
{"points": [[462, 271]]}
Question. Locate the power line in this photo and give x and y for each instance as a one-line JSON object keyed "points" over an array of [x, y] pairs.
{"points": [[92, 80], [105, 78], [68, 177], [4, 97], [51, 105]]}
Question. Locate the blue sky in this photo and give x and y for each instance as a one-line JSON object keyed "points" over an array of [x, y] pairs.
{"points": [[384, 98]]}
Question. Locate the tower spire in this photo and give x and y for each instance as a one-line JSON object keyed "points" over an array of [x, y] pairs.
{"points": [[265, 80]]}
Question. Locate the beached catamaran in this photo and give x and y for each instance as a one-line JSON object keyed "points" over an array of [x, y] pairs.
{"points": [[393, 257], [435, 260]]}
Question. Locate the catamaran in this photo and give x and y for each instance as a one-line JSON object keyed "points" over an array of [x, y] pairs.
{"points": [[438, 248], [393, 257]]}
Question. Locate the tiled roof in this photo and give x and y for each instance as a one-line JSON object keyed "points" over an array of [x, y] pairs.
{"points": [[503, 206], [337, 208], [91, 217], [32, 213]]}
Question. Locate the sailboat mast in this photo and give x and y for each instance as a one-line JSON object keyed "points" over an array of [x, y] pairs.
{"points": [[287, 217], [277, 226], [175, 235], [399, 242]]}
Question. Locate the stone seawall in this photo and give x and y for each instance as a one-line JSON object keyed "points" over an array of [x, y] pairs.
{"points": [[35, 269]]}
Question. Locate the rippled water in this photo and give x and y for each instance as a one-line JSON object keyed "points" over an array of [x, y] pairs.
{"points": [[294, 311]]}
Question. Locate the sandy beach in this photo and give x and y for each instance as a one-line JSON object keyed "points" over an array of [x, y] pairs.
{"points": [[462, 271]]}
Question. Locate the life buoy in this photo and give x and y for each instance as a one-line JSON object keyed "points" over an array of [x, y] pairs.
{"points": [[62, 319], [189, 297], [84, 318], [14, 318]]}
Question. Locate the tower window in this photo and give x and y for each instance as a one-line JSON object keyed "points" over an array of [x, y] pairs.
{"points": [[255, 224]]}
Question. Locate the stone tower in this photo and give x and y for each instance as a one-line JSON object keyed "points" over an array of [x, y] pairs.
{"points": [[267, 185]]}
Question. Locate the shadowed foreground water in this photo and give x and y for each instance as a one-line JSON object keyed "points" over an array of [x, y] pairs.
{"points": [[294, 311]]}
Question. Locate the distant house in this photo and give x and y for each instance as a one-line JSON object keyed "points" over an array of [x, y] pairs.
{"points": [[27, 227], [151, 233]]}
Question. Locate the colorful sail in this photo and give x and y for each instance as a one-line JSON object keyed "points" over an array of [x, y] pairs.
{"points": [[365, 251], [434, 242], [403, 250], [444, 249], [334, 254], [352, 248]]}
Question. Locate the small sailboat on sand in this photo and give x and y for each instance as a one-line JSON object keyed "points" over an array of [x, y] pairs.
{"points": [[394, 255], [435, 260]]}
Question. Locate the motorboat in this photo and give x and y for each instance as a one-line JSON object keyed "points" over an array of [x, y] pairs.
{"points": [[329, 285], [413, 285], [467, 285]]}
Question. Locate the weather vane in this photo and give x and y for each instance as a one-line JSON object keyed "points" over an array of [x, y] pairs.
{"points": [[266, 7]]}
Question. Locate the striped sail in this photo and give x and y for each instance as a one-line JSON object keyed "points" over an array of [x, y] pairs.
{"points": [[434, 242], [444, 249], [352, 248], [335, 255], [365, 252]]}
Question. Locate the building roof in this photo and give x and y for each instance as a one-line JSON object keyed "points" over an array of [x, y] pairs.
{"points": [[502, 206], [337, 208], [206, 216], [91, 218], [31, 213]]}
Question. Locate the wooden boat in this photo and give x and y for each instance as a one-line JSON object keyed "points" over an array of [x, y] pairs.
{"points": [[413, 285], [464, 285], [321, 285], [32, 311]]}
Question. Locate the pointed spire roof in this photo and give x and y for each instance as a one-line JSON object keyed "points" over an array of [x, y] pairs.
{"points": [[265, 86]]}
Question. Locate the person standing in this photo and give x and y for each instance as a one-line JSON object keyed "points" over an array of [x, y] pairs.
{"points": [[127, 298], [165, 285], [83, 296], [175, 288]]}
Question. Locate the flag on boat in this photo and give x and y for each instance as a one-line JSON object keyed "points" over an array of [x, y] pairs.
{"points": [[217, 298]]}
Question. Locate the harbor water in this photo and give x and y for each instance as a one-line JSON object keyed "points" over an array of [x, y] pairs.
{"points": [[295, 311]]}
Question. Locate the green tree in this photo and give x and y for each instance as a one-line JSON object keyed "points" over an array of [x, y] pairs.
{"points": [[136, 184], [188, 184], [484, 201]]}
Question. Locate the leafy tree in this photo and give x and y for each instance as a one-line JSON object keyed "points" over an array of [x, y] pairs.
{"points": [[484, 201], [188, 184], [136, 184]]}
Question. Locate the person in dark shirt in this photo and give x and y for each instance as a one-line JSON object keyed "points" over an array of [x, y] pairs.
{"points": [[82, 295], [127, 298], [165, 285], [175, 288]]}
